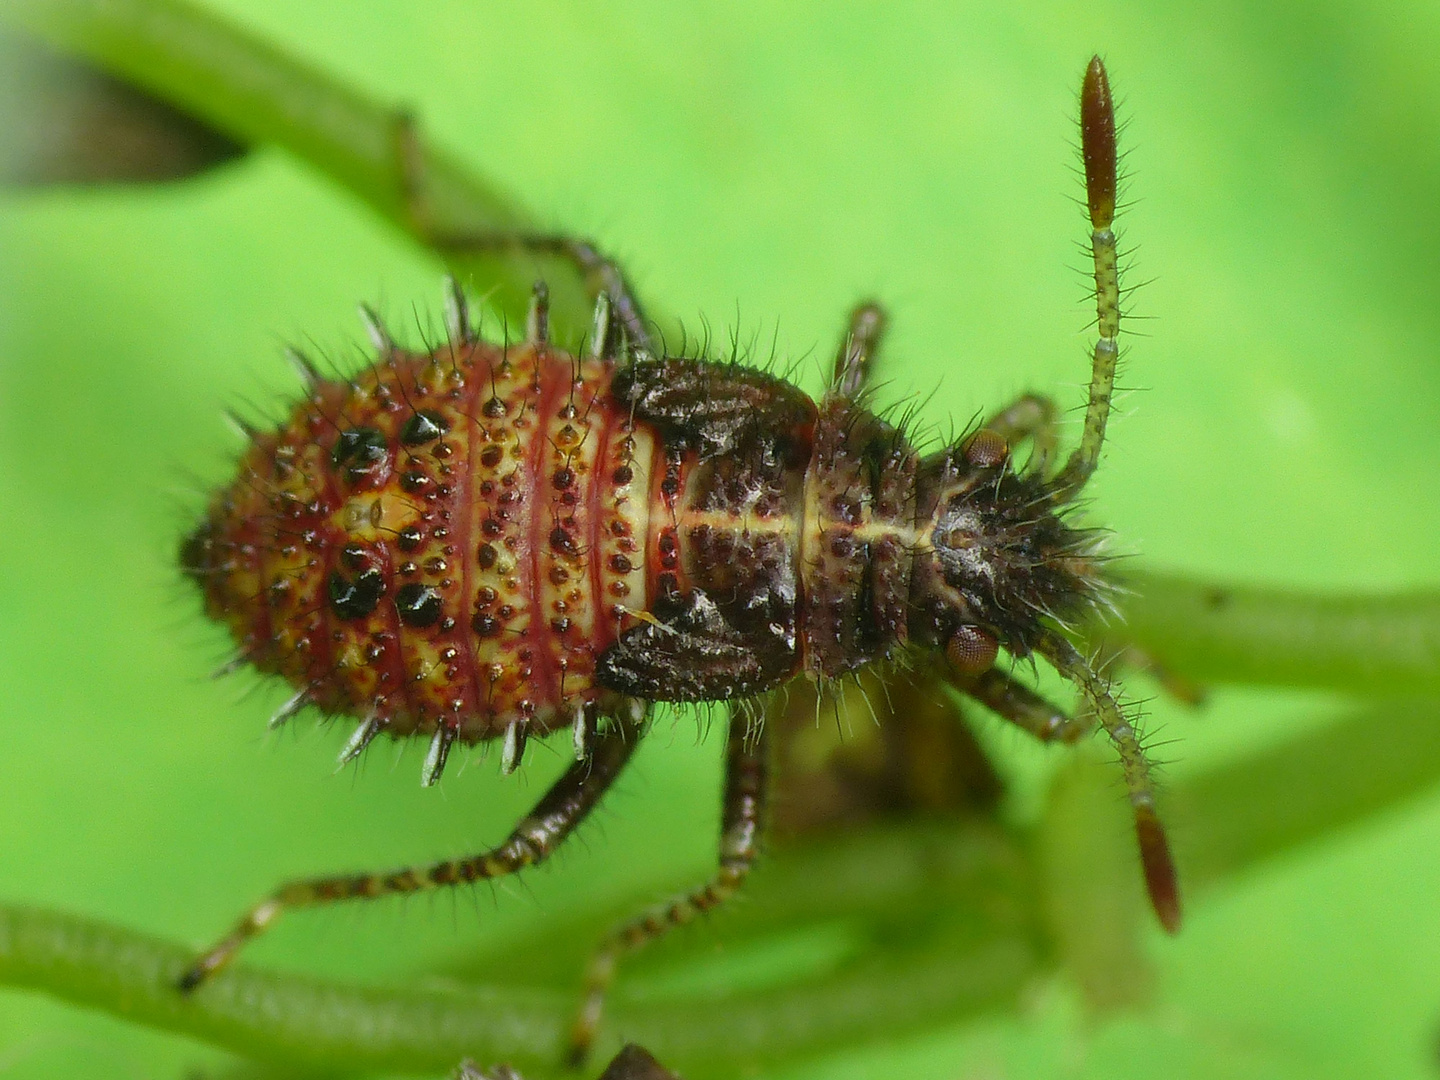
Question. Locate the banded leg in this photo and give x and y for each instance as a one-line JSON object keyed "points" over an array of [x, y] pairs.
{"points": [[857, 350], [746, 792], [599, 272], [1127, 654], [567, 803], [1097, 146], [1155, 857], [1017, 703], [877, 747]]}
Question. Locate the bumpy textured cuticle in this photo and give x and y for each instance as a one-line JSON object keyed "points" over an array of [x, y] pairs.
{"points": [[444, 540]]}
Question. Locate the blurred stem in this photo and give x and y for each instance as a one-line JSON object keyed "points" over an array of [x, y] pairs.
{"points": [[1228, 821], [271, 1016], [258, 94], [1374, 758], [1375, 645], [977, 960]]}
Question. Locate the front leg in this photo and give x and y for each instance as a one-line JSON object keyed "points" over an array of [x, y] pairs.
{"points": [[1013, 701]]}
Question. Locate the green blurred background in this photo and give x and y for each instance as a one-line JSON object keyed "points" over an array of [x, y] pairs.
{"points": [[762, 167]]}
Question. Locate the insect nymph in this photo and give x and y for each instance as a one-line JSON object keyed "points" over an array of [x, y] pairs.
{"points": [[501, 542]]}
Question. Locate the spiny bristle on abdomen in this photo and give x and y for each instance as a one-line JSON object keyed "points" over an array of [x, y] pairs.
{"points": [[444, 543]]}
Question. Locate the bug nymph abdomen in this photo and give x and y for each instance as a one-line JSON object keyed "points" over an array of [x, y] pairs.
{"points": [[443, 545]]}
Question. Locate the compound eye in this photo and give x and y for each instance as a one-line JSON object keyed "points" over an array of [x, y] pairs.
{"points": [[971, 650], [986, 449]]}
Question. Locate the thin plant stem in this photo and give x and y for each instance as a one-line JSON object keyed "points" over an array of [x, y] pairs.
{"points": [[1373, 645], [258, 94], [1228, 821], [987, 952]]}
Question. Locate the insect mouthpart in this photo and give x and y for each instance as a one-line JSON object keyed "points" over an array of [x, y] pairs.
{"points": [[1001, 557]]}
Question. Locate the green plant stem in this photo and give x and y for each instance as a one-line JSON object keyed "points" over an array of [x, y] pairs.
{"points": [[258, 94], [1228, 821], [1374, 758], [1373, 645], [980, 960], [283, 1018], [1231, 819]]}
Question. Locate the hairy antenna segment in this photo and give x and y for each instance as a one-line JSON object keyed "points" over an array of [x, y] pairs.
{"points": [[1158, 865], [1097, 146]]}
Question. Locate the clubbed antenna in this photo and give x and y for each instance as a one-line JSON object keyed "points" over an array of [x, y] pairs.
{"points": [[1097, 147], [1155, 859]]}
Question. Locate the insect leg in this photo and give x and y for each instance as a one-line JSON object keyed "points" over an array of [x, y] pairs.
{"points": [[746, 792], [1155, 857], [692, 653], [873, 746], [857, 350], [539, 833], [1127, 654], [1097, 146], [1017, 703], [599, 272]]}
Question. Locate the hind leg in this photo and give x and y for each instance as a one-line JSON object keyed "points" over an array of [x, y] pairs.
{"points": [[568, 802]]}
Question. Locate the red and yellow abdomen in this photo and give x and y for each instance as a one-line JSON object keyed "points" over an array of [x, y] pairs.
{"points": [[448, 539]]}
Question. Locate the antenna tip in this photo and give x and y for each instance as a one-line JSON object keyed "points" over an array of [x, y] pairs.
{"points": [[1097, 143]]}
